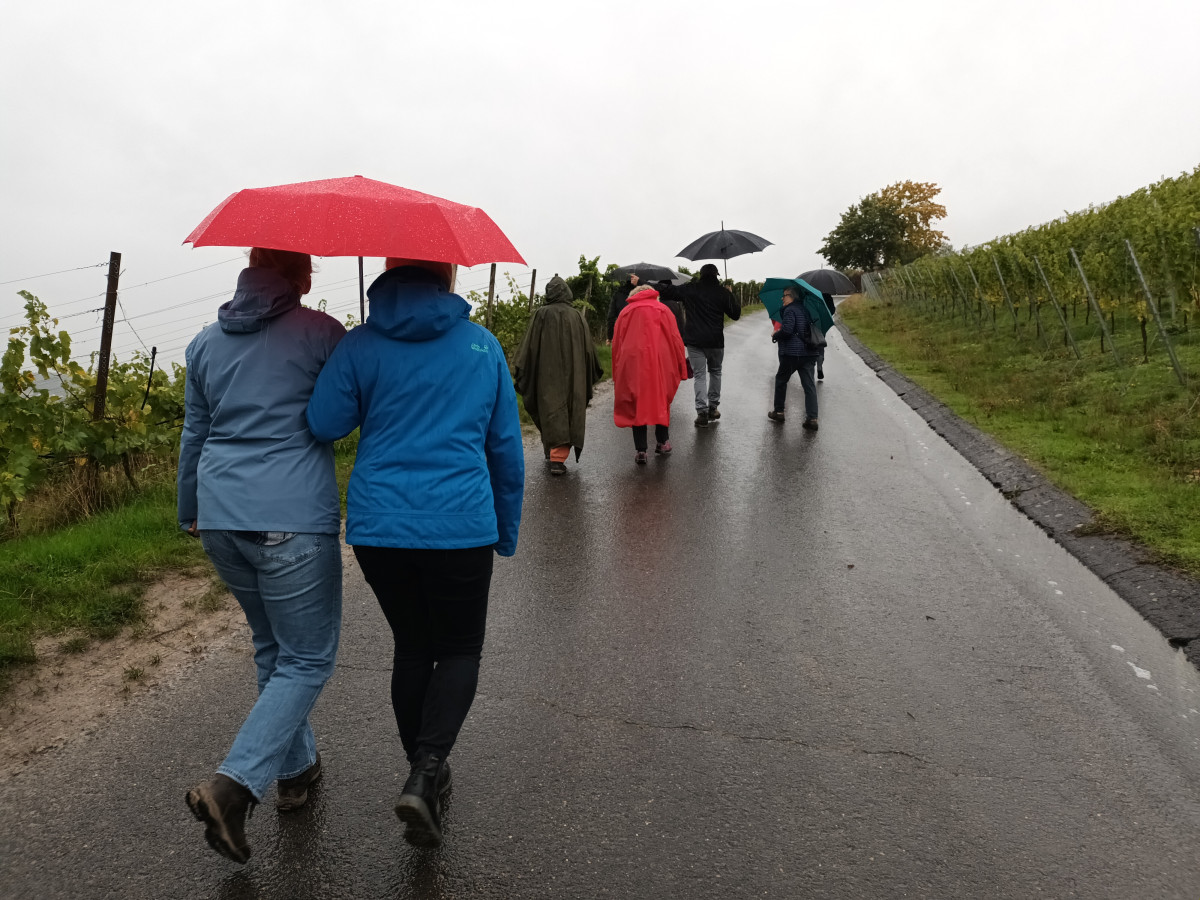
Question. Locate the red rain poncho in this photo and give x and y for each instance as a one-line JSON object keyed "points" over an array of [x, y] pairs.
{"points": [[649, 362]]}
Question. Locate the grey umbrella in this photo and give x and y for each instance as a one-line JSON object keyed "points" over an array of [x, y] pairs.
{"points": [[648, 272], [724, 244], [829, 281]]}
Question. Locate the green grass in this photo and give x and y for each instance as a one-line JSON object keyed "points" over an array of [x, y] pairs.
{"points": [[90, 575], [1124, 440]]}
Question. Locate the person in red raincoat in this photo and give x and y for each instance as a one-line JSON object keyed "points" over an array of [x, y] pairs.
{"points": [[649, 362]]}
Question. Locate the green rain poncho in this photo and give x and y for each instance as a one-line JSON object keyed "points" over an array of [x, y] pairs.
{"points": [[556, 367]]}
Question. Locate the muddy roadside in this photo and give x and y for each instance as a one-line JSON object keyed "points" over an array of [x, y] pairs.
{"points": [[77, 685]]}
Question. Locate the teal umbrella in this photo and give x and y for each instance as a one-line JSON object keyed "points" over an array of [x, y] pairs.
{"points": [[771, 296]]}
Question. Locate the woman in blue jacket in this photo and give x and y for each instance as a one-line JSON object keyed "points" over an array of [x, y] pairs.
{"points": [[436, 491], [259, 491], [795, 355]]}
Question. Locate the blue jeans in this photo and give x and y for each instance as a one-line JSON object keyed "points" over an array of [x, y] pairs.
{"points": [[291, 593], [805, 366]]}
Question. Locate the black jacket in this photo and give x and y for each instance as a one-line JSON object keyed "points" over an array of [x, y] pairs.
{"points": [[706, 302], [620, 295]]}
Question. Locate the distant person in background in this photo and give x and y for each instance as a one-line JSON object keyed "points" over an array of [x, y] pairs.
{"points": [[617, 303], [435, 495], [556, 368], [259, 491], [795, 355], [706, 303], [649, 362], [832, 307]]}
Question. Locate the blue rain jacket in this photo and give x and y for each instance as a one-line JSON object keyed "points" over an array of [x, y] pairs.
{"points": [[247, 461], [440, 462]]}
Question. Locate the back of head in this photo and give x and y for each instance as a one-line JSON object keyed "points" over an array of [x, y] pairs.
{"points": [[295, 268], [558, 291], [642, 289], [446, 272], [709, 272]]}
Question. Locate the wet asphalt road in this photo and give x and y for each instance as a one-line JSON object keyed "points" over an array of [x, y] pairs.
{"points": [[774, 664]]}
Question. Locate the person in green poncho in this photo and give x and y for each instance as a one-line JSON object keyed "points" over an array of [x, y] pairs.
{"points": [[556, 367]]}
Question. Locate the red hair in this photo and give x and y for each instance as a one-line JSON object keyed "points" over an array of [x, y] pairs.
{"points": [[296, 268]]}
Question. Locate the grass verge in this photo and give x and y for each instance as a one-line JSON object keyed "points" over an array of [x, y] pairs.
{"points": [[90, 575], [1125, 441]]}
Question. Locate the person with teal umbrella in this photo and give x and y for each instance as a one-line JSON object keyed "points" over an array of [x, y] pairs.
{"points": [[795, 305]]}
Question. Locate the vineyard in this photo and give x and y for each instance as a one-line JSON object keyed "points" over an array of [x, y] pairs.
{"points": [[47, 428], [1116, 283], [1075, 344]]}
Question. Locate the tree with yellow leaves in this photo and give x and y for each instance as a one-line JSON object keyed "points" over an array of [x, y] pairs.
{"points": [[892, 226]]}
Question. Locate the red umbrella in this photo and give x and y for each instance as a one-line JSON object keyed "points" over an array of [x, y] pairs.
{"points": [[355, 217]]}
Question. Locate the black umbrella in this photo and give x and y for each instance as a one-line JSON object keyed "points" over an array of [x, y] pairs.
{"points": [[724, 244], [829, 281], [648, 272]]}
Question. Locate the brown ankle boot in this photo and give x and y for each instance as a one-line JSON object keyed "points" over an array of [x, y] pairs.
{"points": [[292, 793], [223, 806]]}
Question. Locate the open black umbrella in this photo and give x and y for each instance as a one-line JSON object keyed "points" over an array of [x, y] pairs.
{"points": [[829, 281], [648, 272], [724, 244]]}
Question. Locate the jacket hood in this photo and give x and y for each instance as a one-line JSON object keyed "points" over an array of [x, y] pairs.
{"points": [[558, 291], [261, 294], [412, 304]]}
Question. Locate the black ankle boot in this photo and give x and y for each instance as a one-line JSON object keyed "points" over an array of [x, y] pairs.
{"points": [[419, 806]]}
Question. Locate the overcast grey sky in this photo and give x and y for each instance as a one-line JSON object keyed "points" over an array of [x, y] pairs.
{"points": [[620, 129]]}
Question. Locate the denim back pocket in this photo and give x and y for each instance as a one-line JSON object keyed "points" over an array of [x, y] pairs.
{"points": [[297, 548]]}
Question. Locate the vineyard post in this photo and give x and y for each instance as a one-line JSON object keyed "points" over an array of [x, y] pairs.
{"points": [[532, 288], [1095, 307], [966, 301], [953, 295], [1162, 332], [491, 296], [1036, 310], [106, 330], [1004, 289], [904, 271], [1058, 309], [979, 294]]}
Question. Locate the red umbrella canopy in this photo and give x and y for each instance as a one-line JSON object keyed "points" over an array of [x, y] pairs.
{"points": [[355, 217]]}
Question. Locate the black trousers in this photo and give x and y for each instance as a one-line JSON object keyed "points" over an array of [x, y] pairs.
{"points": [[436, 604], [661, 434]]}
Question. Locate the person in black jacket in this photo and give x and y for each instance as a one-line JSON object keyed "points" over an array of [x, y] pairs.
{"points": [[617, 303], [795, 355], [829, 304], [706, 303]]}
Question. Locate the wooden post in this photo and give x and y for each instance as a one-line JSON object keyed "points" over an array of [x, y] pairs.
{"points": [[1162, 331], [1004, 290], [106, 330], [1095, 307], [532, 288], [491, 295]]}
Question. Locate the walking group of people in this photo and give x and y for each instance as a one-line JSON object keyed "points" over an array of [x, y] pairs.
{"points": [[661, 335], [436, 489]]}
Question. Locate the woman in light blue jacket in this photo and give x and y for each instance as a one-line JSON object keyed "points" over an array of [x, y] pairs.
{"points": [[436, 491], [259, 491]]}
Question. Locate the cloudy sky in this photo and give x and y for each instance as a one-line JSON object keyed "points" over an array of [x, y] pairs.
{"points": [[619, 129]]}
